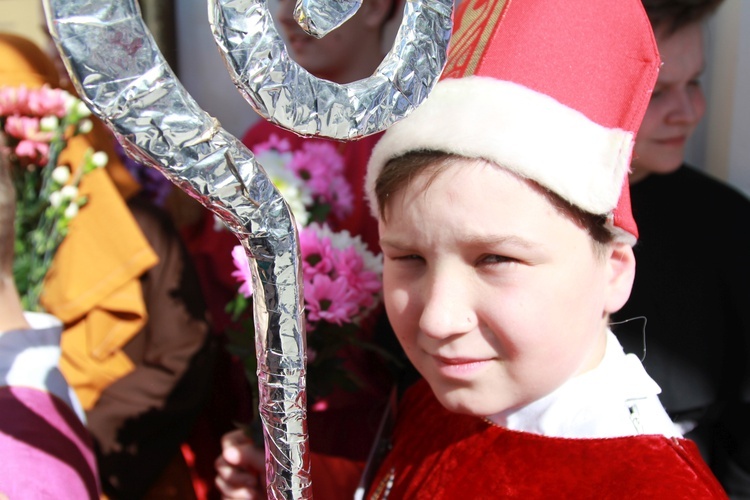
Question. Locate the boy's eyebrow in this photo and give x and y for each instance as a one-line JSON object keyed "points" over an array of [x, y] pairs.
{"points": [[391, 243], [476, 240], [512, 240]]}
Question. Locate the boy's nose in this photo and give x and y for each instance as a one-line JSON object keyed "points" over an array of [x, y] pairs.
{"points": [[446, 309]]}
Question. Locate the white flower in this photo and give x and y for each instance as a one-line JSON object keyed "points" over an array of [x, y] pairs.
{"points": [[71, 211], [294, 197], [99, 159], [274, 162], [55, 199], [49, 123], [71, 102], [292, 188], [85, 126], [61, 174], [82, 110], [69, 192]]}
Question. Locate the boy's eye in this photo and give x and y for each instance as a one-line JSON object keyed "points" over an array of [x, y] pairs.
{"points": [[496, 259], [406, 258], [411, 257]]}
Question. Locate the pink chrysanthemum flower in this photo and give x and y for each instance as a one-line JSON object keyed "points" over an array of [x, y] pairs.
{"points": [[317, 253], [274, 142], [321, 166], [242, 271], [43, 101], [28, 128], [328, 300], [341, 256], [33, 152], [8, 101], [340, 197], [365, 284], [47, 101]]}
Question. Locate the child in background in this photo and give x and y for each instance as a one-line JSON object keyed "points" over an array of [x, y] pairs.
{"points": [[352, 52], [42, 425], [135, 345], [507, 236]]}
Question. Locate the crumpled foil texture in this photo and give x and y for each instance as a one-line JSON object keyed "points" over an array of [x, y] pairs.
{"points": [[121, 75], [285, 93], [320, 19]]}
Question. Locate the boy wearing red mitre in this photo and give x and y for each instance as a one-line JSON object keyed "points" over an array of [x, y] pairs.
{"points": [[507, 235]]}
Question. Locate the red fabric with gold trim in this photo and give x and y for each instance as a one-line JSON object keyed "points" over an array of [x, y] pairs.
{"points": [[564, 83], [485, 30]]}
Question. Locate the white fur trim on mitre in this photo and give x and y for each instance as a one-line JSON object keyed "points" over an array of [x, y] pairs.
{"points": [[524, 131]]}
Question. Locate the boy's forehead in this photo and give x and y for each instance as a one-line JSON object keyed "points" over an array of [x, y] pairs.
{"points": [[458, 179]]}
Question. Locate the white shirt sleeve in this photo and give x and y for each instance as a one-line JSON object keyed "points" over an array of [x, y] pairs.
{"points": [[30, 357]]}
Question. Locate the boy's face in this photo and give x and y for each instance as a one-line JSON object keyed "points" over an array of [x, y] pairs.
{"points": [[495, 296]]}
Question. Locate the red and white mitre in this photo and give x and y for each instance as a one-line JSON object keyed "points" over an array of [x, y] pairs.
{"points": [[552, 90]]}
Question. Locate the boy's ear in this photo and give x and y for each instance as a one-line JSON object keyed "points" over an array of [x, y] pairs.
{"points": [[621, 273]]}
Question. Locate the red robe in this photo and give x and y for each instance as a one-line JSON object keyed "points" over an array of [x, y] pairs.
{"points": [[438, 454]]}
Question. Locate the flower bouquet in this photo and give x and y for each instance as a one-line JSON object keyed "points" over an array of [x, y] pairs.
{"points": [[38, 123], [341, 277]]}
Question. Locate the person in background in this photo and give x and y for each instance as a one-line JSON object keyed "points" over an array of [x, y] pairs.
{"points": [[504, 260], [46, 449], [693, 280], [135, 346], [349, 53]]}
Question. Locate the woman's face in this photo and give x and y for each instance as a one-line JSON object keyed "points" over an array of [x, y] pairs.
{"points": [[676, 107], [496, 297]]}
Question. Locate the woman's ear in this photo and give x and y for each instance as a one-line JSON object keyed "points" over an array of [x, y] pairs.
{"points": [[620, 276]]}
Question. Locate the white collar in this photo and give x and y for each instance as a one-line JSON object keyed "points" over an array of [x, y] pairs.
{"points": [[617, 398]]}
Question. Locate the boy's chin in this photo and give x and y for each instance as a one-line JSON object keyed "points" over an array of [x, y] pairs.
{"points": [[468, 402]]}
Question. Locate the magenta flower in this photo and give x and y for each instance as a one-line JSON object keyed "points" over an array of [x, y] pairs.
{"points": [[364, 284], [317, 253], [273, 143], [329, 300], [341, 277], [321, 166], [339, 256], [340, 197], [242, 271]]}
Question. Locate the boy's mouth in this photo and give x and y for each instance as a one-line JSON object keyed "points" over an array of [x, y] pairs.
{"points": [[458, 366]]}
